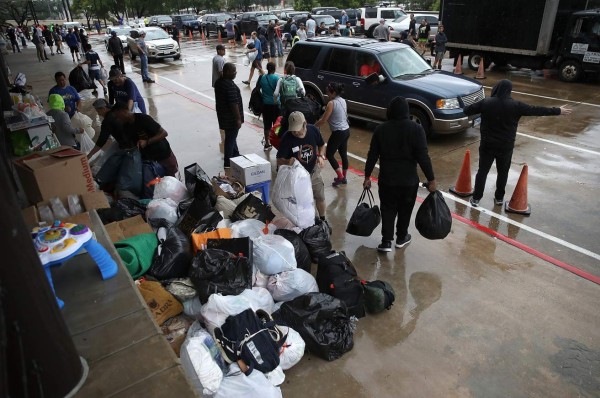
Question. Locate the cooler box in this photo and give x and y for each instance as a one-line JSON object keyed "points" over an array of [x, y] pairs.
{"points": [[262, 187]]}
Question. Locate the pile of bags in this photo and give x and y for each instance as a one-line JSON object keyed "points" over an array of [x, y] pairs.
{"points": [[231, 285]]}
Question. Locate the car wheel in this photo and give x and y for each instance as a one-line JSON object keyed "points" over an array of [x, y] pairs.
{"points": [[420, 117], [315, 96], [369, 32], [177, 57], [569, 71], [475, 59]]}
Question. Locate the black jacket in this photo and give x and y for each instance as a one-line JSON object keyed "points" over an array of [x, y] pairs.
{"points": [[399, 144], [115, 46], [500, 116]]}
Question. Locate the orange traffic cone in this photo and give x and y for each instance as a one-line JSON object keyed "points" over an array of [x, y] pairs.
{"points": [[481, 70], [244, 39], [458, 67], [463, 187], [219, 37], [518, 202]]}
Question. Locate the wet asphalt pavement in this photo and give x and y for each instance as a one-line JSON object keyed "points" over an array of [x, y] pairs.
{"points": [[489, 311]]}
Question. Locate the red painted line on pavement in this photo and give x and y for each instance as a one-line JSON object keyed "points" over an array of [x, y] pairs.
{"points": [[528, 249]]}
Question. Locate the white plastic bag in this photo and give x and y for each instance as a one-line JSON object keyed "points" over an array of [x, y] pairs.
{"points": [[219, 307], [283, 223], [255, 385], [103, 74], [273, 254], [276, 376], [250, 228], [201, 361], [252, 55], [86, 143], [246, 61], [288, 285], [171, 187], [292, 195], [260, 280], [259, 298], [83, 121], [162, 208], [292, 350]]}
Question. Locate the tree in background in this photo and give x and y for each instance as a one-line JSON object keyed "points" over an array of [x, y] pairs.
{"points": [[16, 10]]}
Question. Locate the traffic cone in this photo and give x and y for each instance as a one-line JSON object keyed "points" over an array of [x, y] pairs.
{"points": [[481, 70], [518, 202], [244, 39], [458, 67], [463, 187], [219, 37]]}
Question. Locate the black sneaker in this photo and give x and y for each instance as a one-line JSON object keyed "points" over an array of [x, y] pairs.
{"points": [[498, 202], [474, 202], [339, 181], [400, 243], [385, 246]]}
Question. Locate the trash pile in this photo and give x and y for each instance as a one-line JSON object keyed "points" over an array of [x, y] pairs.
{"points": [[231, 284]]}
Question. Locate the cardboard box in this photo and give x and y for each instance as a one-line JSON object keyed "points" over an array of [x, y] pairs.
{"points": [[250, 169], [56, 172], [117, 231]]}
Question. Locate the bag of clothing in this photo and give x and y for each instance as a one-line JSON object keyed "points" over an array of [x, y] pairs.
{"points": [[433, 219], [252, 208], [252, 337], [301, 252], [161, 303], [240, 246], [273, 254], [365, 217], [151, 170], [292, 349], [292, 195], [288, 285], [198, 184], [162, 208], [322, 321], [253, 385], [173, 255], [250, 228], [218, 271], [317, 239], [332, 267], [83, 121], [218, 308], [379, 296], [172, 188], [256, 104], [182, 288], [80, 80]]}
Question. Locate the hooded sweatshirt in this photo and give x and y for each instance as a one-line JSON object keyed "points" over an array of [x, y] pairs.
{"points": [[500, 116], [399, 144], [64, 130]]}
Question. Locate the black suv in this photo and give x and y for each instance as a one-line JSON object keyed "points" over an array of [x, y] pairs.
{"points": [[215, 23], [374, 72], [250, 21], [186, 23]]}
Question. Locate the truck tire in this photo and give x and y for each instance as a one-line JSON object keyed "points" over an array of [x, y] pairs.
{"points": [[369, 33], [420, 117], [314, 95], [569, 71], [474, 60]]}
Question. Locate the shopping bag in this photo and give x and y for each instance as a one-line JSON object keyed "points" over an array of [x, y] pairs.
{"points": [[86, 143], [103, 74], [365, 218], [252, 208], [199, 184], [199, 240], [434, 220]]}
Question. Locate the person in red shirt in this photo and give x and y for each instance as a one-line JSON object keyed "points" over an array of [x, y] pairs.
{"points": [[372, 66]]}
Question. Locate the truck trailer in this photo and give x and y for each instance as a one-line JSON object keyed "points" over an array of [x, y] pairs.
{"points": [[534, 34]]}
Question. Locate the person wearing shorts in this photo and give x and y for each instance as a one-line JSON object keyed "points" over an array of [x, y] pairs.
{"points": [[440, 47], [73, 43], [94, 63], [423, 30], [230, 28], [257, 63]]}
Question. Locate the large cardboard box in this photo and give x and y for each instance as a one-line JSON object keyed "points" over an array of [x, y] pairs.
{"points": [[250, 169], [56, 172], [117, 231]]}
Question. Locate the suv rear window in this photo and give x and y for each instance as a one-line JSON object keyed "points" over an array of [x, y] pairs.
{"points": [[304, 56]]}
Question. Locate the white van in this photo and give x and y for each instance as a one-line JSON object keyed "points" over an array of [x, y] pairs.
{"points": [[370, 17], [74, 25]]}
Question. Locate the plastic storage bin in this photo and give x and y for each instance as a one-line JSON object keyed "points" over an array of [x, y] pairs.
{"points": [[262, 187]]}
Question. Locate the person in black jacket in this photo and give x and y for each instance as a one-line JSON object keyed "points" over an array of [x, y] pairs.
{"points": [[399, 144], [115, 48], [500, 116]]}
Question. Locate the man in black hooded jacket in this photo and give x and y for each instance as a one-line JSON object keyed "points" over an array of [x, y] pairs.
{"points": [[500, 116], [399, 144]]}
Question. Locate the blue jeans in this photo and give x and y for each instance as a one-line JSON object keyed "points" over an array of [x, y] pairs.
{"points": [[230, 148], [279, 46], [144, 66]]}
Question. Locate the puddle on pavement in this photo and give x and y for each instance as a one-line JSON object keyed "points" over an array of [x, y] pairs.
{"points": [[578, 364]]}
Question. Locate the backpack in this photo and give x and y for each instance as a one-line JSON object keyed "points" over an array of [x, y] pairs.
{"points": [[252, 337], [289, 88], [351, 292], [334, 267], [256, 103], [379, 296]]}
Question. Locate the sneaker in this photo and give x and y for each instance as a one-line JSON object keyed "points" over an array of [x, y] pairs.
{"points": [[498, 202], [150, 81], [474, 202], [267, 147], [246, 82], [385, 246], [339, 181], [400, 243]]}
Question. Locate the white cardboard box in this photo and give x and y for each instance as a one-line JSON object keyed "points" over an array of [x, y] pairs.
{"points": [[250, 169]]}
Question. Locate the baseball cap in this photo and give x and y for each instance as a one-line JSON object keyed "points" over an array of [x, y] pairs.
{"points": [[101, 103], [113, 33], [296, 121], [114, 73]]}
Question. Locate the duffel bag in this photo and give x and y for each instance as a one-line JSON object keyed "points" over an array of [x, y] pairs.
{"points": [[365, 217], [379, 296], [332, 267], [351, 292]]}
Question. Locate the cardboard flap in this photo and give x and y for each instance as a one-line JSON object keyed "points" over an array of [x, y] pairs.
{"points": [[66, 153]]}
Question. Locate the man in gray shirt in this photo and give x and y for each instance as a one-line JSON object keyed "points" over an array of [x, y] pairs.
{"points": [[62, 127], [217, 63], [381, 32]]}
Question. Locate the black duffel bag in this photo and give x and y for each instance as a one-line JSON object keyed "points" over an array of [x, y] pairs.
{"points": [[433, 219], [366, 217], [218, 271]]}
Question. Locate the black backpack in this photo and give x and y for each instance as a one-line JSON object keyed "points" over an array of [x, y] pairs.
{"points": [[351, 292], [251, 337], [256, 104], [334, 267], [379, 296]]}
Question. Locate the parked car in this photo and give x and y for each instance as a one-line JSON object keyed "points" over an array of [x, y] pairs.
{"points": [[370, 17], [160, 44], [436, 98], [251, 21], [354, 17], [186, 23], [283, 14], [215, 23], [400, 25], [122, 33], [327, 19], [74, 25], [322, 10], [160, 20]]}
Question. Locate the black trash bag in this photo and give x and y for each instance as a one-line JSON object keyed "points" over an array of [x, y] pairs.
{"points": [[322, 321], [184, 205], [300, 250], [252, 208], [198, 217], [130, 207], [218, 271], [316, 239], [310, 109], [365, 217], [240, 246], [80, 80], [199, 185], [156, 223], [110, 214], [173, 256], [434, 219]]}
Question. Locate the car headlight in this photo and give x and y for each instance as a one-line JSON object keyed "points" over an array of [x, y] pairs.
{"points": [[447, 103]]}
